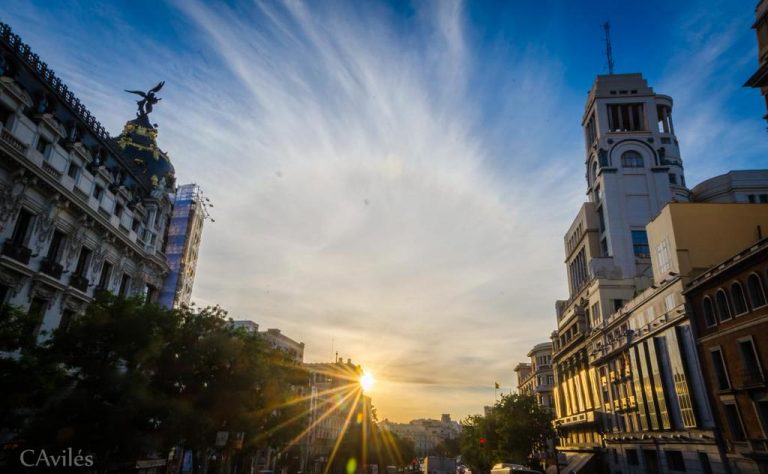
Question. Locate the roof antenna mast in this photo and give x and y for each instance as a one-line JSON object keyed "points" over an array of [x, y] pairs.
{"points": [[608, 49]]}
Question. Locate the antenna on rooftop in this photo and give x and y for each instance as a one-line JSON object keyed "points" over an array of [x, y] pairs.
{"points": [[608, 49]]}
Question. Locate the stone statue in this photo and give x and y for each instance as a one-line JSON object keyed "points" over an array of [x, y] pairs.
{"points": [[148, 99]]}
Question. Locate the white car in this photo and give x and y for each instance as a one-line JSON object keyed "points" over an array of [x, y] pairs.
{"points": [[508, 468]]}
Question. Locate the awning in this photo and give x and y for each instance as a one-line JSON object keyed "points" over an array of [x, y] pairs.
{"points": [[576, 464]]}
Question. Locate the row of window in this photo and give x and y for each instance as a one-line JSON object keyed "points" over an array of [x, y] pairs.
{"points": [[52, 261], [674, 458], [74, 171], [730, 302], [750, 368], [751, 373]]}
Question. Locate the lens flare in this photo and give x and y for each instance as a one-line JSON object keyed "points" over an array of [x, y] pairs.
{"points": [[366, 382]]}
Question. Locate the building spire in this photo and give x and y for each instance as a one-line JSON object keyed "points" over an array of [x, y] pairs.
{"points": [[608, 49]]}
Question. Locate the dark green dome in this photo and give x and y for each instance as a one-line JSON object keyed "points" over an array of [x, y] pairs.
{"points": [[139, 144]]}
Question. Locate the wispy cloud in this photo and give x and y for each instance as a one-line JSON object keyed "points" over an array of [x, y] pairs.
{"points": [[383, 185]]}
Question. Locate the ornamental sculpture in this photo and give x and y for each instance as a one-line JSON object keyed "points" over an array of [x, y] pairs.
{"points": [[148, 99]]}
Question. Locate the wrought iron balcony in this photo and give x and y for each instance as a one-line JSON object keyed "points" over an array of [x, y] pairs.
{"points": [[51, 268], [16, 251], [79, 282]]}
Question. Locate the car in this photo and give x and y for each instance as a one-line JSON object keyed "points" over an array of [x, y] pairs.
{"points": [[510, 468]]}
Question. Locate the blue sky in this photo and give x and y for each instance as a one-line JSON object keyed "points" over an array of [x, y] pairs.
{"points": [[393, 180]]}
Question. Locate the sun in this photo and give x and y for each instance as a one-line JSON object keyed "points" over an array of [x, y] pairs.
{"points": [[366, 382]]}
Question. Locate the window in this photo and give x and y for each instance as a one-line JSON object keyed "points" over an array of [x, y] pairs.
{"points": [[82, 261], [755, 290], [640, 244], [675, 461], [721, 374], [118, 210], [5, 117], [739, 302], [66, 319], [750, 363], [761, 407], [632, 159], [672, 178], [662, 256], [73, 171], [709, 312], [706, 467], [23, 225], [734, 421], [37, 310], [617, 304], [125, 285], [625, 117], [632, 458], [596, 317], [723, 307], [55, 247], [106, 274], [98, 192], [604, 247], [135, 225], [42, 145]]}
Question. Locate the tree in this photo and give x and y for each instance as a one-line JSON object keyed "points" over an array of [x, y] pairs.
{"points": [[128, 380], [513, 429]]}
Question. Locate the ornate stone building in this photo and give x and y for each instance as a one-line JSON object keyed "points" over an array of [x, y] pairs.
{"points": [[80, 211]]}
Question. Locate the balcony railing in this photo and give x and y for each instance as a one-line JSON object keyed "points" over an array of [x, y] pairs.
{"points": [[51, 268], [16, 251], [12, 141], [79, 282]]}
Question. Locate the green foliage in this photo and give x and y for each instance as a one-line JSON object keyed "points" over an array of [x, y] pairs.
{"points": [[126, 380], [515, 427]]}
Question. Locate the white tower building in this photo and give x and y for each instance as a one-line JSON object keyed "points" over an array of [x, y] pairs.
{"points": [[633, 166]]}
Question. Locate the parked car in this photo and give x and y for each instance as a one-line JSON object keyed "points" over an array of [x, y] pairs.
{"points": [[509, 468]]}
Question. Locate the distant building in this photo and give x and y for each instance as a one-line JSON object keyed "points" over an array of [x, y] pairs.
{"points": [[730, 307], [182, 245], [537, 378], [741, 186], [760, 78], [523, 371], [425, 434], [275, 338], [284, 343], [335, 400], [247, 325]]}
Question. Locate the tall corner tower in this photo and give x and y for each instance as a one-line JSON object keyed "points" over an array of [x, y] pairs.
{"points": [[633, 165]]}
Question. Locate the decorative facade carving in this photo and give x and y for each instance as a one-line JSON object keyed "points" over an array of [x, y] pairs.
{"points": [[11, 197], [46, 220]]}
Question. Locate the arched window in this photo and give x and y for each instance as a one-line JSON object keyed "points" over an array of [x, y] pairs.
{"points": [[631, 159], [755, 290], [709, 312], [739, 302], [723, 308]]}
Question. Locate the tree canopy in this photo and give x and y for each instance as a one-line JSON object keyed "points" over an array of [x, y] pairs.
{"points": [[514, 428], [128, 380]]}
